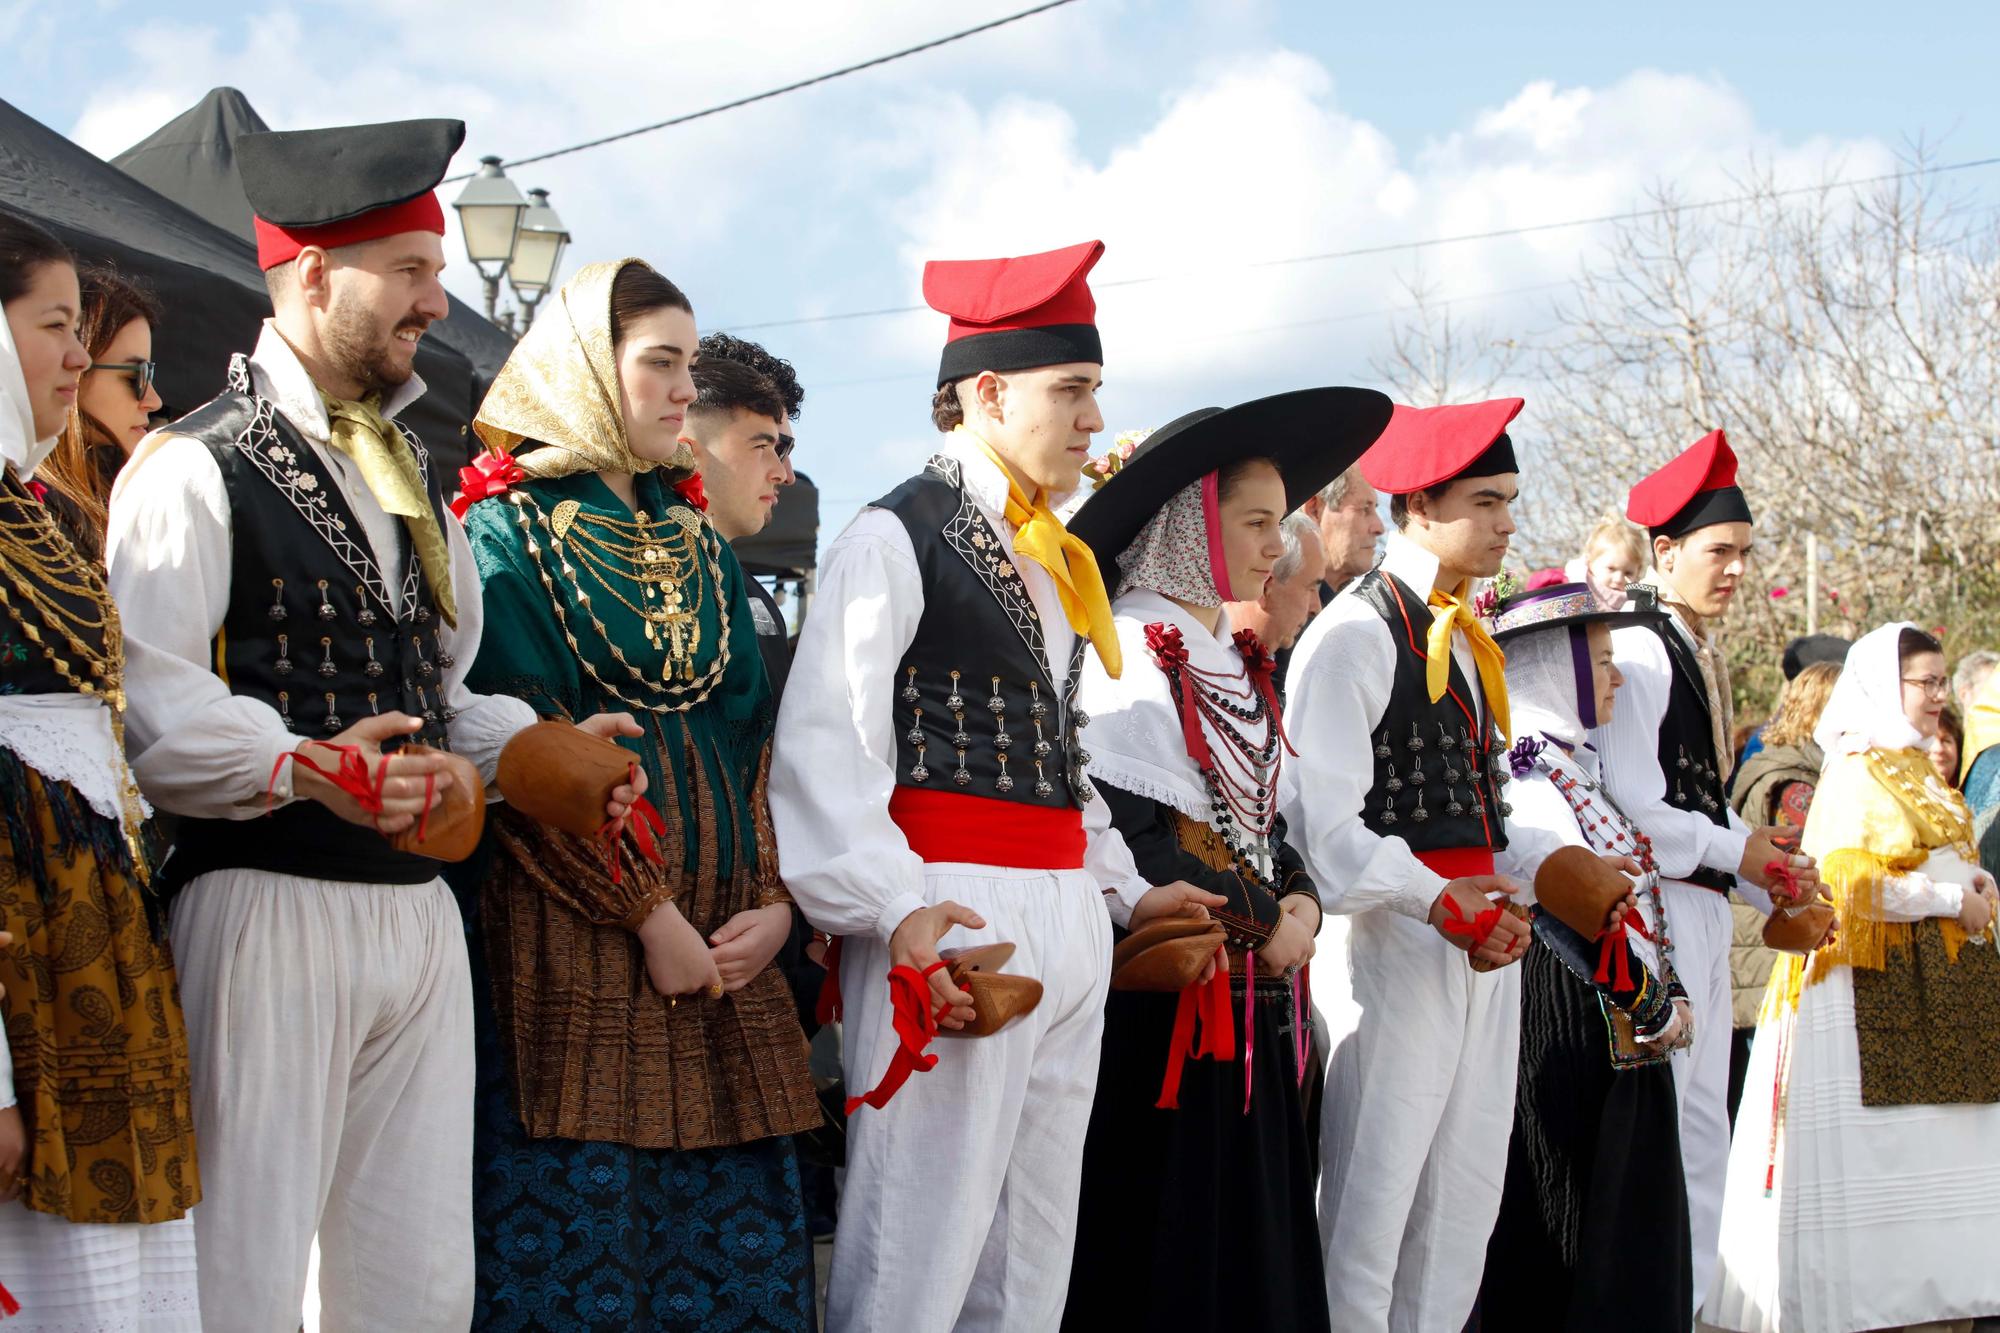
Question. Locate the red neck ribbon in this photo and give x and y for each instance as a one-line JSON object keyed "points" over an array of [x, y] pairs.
{"points": [[1209, 1006], [1261, 666], [916, 1024]]}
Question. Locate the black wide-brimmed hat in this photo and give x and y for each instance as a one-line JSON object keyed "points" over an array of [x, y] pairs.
{"points": [[1559, 606], [1311, 435]]}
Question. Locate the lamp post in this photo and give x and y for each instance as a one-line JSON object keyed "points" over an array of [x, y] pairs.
{"points": [[490, 209], [538, 253]]}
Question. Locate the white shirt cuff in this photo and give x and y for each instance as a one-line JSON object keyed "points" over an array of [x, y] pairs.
{"points": [[893, 915]]}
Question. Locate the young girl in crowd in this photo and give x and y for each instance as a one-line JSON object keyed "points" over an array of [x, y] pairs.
{"points": [[1614, 555]]}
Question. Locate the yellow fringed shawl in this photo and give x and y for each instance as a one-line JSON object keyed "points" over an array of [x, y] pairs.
{"points": [[1874, 814]]}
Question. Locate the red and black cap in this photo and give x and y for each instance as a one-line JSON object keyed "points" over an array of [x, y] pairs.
{"points": [[1696, 490], [344, 184], [1428, 446], [1016, 314]]}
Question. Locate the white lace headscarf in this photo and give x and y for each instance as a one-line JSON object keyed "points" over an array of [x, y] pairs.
{"points": [[1865, 710]]}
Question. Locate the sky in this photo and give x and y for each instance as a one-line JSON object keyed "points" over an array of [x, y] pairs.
{"points": [[1200, 141]]}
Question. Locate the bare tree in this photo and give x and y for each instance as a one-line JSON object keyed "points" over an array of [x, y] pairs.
{"points": [[1849, 343]]}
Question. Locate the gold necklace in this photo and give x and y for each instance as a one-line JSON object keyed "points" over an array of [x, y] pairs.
{"points": [[660, 572], [680, 697], [35, 552]]}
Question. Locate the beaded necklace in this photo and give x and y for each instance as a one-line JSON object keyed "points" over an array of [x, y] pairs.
{"points": [[1240, 773], [36, 555], [660, 566], [1606, 828]]}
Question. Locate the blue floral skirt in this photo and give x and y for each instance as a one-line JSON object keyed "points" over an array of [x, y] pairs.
{"points": [[574, 1235]]}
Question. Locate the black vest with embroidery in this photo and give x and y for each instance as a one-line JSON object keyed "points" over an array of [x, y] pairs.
{"points": [[312, 630], [1438, 767], [1687, 740], [975, 709]]}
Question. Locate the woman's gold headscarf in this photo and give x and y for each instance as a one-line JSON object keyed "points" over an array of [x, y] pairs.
{"points": [[559, 388]]}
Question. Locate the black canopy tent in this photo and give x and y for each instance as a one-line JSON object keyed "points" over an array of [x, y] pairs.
{"points": [[206, 278], [192, 160]]}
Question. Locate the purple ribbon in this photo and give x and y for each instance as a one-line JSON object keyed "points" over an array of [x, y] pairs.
{"points": [[1522, 757]]}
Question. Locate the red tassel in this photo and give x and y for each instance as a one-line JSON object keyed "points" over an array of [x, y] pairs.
{"points": [[826, 1009], [1199, 1003], [8, 1305], [915, 1024], [646, 824]]}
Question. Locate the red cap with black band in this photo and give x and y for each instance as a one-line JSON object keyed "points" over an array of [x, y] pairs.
{"points": [[1016, 314], [1696, 490], [1427, 446]]}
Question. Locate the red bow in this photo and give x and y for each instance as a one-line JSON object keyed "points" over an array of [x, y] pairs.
{"points": [[691, 491], [916, 1024], [486, 476], [1258, 661], [1476, 929], [1163, 641]]}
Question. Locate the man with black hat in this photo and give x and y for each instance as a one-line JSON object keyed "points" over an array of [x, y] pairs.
{"points": [[927, 788], [286, 569], [1666, 759], [1399, 713]]}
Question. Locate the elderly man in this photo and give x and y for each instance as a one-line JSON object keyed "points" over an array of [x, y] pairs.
{"points": [[1292, 596], [1349, 527], [1973, 671]]}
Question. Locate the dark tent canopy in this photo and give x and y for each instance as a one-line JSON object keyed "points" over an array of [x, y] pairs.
{"points": [[788, 547], [192, 160], [206, 278]]}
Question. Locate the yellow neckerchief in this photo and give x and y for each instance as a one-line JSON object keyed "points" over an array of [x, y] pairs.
{"points": [[1040, 536], [1449, 611], [359, 430]]}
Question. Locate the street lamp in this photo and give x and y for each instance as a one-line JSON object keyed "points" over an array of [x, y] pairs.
{"points": [[489, 213], [538, 253]]}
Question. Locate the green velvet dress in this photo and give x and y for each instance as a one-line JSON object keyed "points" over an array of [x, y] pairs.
{"points": [[633, 1165]]}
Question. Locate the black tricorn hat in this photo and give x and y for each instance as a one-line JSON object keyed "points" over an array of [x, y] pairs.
{"points": [[310, 178], [1311, 435]]}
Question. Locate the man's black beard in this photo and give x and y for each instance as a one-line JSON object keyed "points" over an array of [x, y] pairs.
{"points": [[354, 348]]}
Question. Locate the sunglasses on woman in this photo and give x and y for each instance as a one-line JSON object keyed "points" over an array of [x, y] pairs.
{"points": [[140, 371]]}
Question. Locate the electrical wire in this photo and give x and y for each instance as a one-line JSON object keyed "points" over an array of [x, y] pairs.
{"points": [[1397, 247], [766, 96]]}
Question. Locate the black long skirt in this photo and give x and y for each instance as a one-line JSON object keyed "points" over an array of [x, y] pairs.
{"points": [[1201, 1217], [1593, 1227]]}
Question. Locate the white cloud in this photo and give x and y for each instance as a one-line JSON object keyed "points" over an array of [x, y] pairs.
{"points": [[1257, 161]]}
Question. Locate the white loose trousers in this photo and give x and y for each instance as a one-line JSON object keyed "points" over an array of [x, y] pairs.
{"points": [[959, 1207], [1415, 1124], [330, 1029], [1702, 928]]}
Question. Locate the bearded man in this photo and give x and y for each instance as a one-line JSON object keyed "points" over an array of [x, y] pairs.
{"points": [[293, 588]]}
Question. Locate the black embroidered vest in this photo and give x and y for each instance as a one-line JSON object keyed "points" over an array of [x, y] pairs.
{"points": [[312, 630], [1438, 766], [975, 709], [1687, 740]]}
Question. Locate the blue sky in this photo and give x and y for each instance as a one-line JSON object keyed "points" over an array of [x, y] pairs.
{"points": [[1193, 137]]}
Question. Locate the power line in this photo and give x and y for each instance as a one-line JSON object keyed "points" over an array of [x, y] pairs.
{"points": [[779, 92], [1344, 317], [1396, 247]]}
